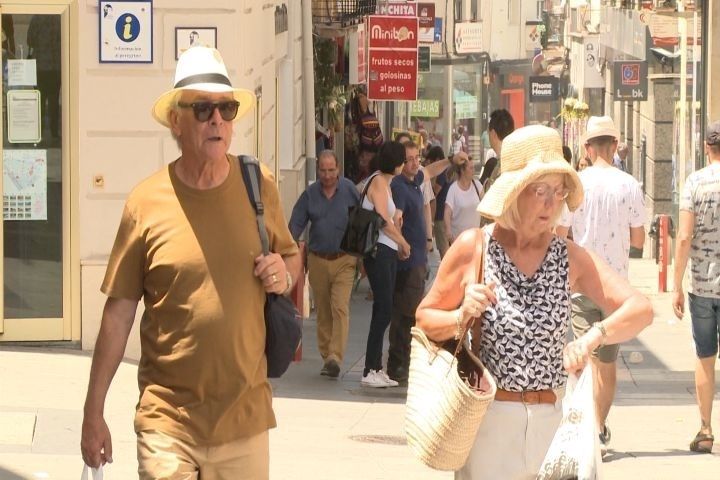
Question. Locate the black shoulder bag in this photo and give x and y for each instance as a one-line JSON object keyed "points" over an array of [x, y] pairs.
{"points": [[283, 330], [363, 228]]}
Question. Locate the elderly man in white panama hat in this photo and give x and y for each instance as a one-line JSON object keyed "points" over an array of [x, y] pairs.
{"points": [[183, 245], [610, 221]]}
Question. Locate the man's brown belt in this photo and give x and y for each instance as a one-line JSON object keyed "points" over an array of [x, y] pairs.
{"points": [[329, 256], [529, 397]]}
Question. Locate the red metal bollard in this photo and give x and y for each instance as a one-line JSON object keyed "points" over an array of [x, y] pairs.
{"points": [[663, 251], [297, 296]]}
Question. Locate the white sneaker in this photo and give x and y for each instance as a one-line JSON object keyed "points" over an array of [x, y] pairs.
{"points": [[388, 380], [377, 379]]}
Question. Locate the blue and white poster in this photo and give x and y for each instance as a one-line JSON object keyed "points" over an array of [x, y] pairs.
{"points": [[126, 31]]}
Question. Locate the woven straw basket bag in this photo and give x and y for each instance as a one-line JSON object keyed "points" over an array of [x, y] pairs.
{"points": [[443, 413]]}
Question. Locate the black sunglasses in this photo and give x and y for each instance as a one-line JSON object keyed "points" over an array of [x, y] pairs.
{"points": [[204, 110]]}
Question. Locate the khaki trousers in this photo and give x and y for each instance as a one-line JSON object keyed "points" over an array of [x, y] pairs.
{"points": [[166, 457], [331, 282], [440, 239]]}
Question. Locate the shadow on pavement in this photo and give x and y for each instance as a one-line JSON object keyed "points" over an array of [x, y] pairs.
{"points": [[8, 475], [650, 382], [613, 456]]}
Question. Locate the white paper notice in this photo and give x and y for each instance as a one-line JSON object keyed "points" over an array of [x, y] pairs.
{"points": [[23, 112], [22, 73], [24, 184]]}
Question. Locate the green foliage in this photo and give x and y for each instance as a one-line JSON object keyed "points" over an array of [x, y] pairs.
{"points": [[329, 92]]}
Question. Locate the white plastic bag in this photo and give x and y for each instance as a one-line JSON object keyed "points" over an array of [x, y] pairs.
{"points": [[97, 473], [575, 450]]}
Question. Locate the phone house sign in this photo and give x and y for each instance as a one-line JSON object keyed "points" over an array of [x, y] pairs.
{"points": [[544, 89]]}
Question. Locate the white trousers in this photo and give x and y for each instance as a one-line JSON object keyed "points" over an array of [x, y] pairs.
{"points": [[512, 441]]}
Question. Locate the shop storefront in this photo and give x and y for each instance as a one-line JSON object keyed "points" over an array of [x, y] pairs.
{"points": [[457, 83], [78, 136]]}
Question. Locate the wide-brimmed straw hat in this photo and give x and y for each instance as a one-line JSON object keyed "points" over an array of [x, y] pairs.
{"points": [[600, 127], [528, 154], [203, 69]]}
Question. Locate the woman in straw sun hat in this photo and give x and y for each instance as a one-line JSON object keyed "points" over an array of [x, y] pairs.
{"points": [[523, 306]]}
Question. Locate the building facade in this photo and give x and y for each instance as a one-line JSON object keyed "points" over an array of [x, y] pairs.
{"points": [[78, 134]]}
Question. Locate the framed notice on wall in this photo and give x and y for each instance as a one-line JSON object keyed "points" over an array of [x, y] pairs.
{"points": [[186, 37], [126, 31], [23, 116]]}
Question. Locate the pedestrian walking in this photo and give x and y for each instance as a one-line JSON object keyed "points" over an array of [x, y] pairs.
{"points": [[183, 246], [381, 267], [610, 220], [698, 240], [620, 156], [462, 200], [331, 272], [524, 305], [411, 271], [501, 125], [441, 185]]}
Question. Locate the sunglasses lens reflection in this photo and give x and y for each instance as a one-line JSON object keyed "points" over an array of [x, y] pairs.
{"points": [[204, 110]]}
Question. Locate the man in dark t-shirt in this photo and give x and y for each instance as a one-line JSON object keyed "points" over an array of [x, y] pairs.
{"points": [[410, 280]]}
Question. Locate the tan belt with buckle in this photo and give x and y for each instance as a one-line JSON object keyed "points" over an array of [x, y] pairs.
{"points": [[528, 398]]}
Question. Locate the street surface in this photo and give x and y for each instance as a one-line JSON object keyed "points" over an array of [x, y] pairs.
{"points": [[334, 429]]}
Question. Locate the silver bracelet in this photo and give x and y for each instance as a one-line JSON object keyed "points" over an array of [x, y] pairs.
{"points": [[458, 323]]}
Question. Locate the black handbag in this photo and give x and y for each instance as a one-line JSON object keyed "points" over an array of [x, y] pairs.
{"points": [[283, 327], [363, 228]]}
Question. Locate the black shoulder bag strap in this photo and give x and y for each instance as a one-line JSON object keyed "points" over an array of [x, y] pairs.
{"points": [[367, 187], [250, 168], [476, 189]]}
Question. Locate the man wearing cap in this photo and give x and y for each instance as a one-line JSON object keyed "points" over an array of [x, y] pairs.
{"points": [[699, 240], [325, 205], [609, 221], [184, 245]]}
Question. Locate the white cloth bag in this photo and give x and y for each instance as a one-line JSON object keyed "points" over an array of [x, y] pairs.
{"points": [[97, 473], [575, 449]]}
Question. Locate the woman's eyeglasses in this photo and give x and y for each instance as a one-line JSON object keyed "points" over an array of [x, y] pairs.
{"points": [[204, 110], [544, 191]]}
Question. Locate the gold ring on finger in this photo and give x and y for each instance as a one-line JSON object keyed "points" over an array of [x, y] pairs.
{"points": [[274, 278]]}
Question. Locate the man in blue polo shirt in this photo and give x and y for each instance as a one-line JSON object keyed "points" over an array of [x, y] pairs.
{"points": [[331, 272], [410, 280]]}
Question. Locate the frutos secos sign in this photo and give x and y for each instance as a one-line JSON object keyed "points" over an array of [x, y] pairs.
{"points": [[393, 58]]}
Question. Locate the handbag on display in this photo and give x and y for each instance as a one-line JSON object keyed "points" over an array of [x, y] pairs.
{"points": [[575, 449], [449, 392], [283, 323], [363, 228]]}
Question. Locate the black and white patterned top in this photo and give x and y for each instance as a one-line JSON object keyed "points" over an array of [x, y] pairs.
{"points": [[524, 334]]}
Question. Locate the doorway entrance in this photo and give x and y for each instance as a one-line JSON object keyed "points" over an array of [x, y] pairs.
{"points": [[34, 233]]}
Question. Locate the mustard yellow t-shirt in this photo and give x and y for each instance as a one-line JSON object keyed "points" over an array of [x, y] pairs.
{"points": [[190, 253]]}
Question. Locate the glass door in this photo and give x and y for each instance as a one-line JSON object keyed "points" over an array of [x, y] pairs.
{"points": [[35, 191]]}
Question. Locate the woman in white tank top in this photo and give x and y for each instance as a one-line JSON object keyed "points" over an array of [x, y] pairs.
{"points": [[382, 266]]}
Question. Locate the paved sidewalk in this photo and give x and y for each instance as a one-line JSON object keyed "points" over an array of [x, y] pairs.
{"points": [[334, 429]]}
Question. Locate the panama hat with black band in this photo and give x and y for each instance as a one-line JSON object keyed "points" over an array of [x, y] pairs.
{"points": [[201, 69]]}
